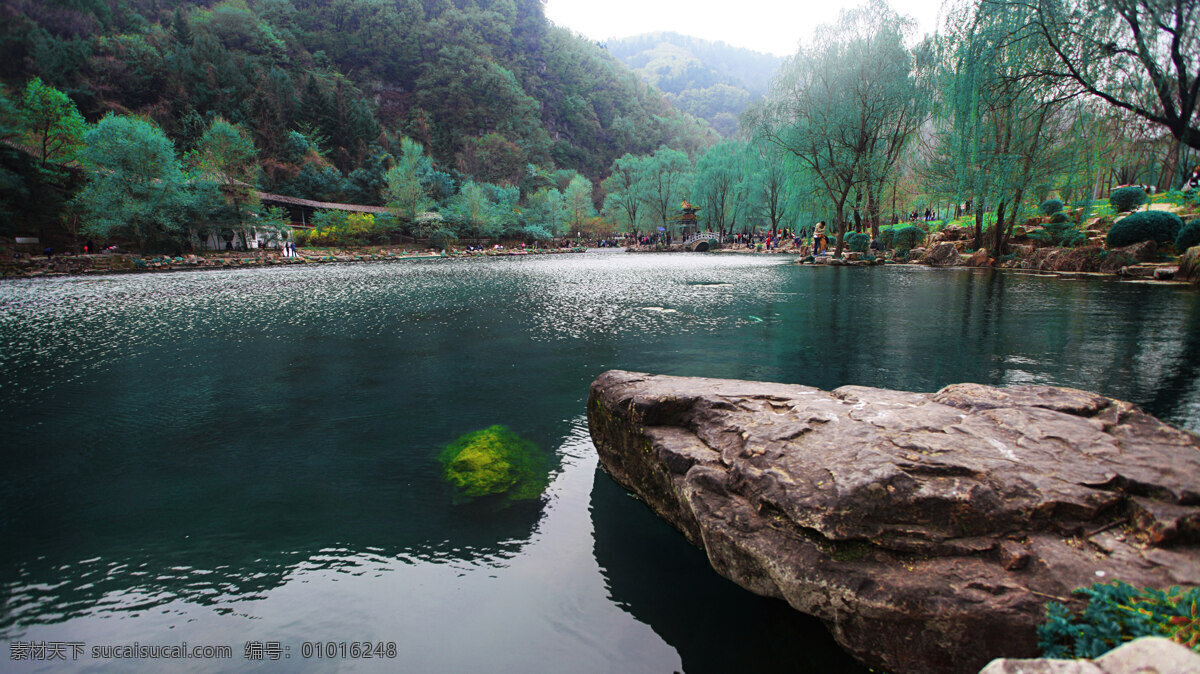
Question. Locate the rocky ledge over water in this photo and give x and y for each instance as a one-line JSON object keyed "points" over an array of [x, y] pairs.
{"points": [[928, 531]]}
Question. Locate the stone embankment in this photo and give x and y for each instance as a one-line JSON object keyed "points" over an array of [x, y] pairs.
{"points": [[64, 265], [949, 248], [927, 531]]}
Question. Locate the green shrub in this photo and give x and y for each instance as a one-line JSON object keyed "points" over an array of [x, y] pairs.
{"points": [[1084, 206], [1159, 226], [1189, 236], [1175, 198], [1126, 199], [886, 238], [442, 238], [908, 237], [1118, 613], [1051, 206], [536, 233], [1058, 218], [858, 242], [1059, 233]]}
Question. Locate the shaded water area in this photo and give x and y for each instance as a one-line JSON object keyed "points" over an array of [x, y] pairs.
{"points": [[217, 458]]}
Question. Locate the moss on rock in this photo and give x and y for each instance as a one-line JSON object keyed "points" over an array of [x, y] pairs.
{"points": [[495, 461]]}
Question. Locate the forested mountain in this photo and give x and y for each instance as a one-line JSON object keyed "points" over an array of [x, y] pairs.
{"points": [[711, 80], [327, 88]]}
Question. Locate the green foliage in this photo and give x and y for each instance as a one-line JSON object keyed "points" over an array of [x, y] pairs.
{"points": [[720, 185], [1126, 199], [227, 153], [52, 122], [907, 237], [495, 461], [347, 228], [486, 81], [578, 202], [625, 189], [857, 81], [547, 210], [858, 241], [135, 185], [1059, 233], [537, 233], [1178, 198], [228, 158], [1058, 218], [1159, 226], [442, 238], [887, 237], [1189, 236], [665, 175], [406, 193], [1050, 206], [1117, 613]]}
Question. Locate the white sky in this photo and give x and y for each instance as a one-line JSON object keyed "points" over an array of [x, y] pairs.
{"points": [[772, 26]]}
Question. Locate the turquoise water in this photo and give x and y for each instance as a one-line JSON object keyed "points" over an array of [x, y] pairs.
{"points": [[250, 456]]}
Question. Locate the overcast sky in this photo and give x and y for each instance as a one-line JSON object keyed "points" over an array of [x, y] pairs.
{"points": [[772, 26]]}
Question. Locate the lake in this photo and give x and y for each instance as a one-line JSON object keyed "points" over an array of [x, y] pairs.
{"points": [[249, 458]]}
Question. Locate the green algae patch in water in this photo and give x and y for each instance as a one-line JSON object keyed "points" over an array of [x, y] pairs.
{"points": [[495, 462]]}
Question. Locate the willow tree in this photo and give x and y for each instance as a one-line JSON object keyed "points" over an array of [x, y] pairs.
{"points": [[767, 185], [625, 192], [837, 105], [719, 185], [664, 180], [1142, 56], [1005, 132], [955, 161]]}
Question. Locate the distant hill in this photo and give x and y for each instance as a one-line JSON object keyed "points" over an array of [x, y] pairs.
{"points": [[488, 87], [710, 80]]}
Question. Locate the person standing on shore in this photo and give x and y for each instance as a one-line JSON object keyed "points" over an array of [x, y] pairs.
{"points": [[819, 238]]}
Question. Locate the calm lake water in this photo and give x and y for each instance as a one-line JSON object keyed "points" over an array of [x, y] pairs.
{"points": [[250, 456]]}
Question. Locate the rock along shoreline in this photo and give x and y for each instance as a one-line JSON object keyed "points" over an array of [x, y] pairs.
{"points": [[927, 531], [125, 263]]}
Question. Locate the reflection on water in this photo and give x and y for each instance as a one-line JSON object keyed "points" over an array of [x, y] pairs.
{"points": [[216, 457]]}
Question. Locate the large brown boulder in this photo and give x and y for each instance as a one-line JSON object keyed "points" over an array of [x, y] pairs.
{"points": [[980, 258], [927, 530], [952, 233], [1189, 265], [1083, 259], [943, 254]]}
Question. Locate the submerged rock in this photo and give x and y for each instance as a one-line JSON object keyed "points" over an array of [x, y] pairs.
{"points": [[927, 530], [495, 461]]}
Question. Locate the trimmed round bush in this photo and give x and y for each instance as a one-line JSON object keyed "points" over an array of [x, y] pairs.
{"points": [[1189, 236], [1051, 206], [1159, 226], [1058, 218], [886, 238], [1126, 199], [907, 238], [858, 241]]}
